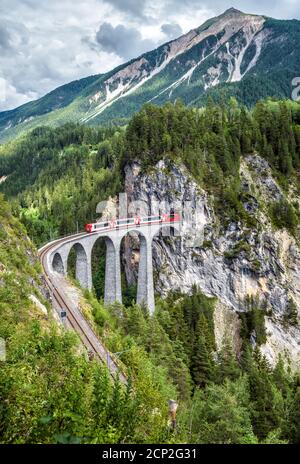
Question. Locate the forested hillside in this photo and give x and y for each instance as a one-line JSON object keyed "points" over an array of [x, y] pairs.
{"points": [[70, 168], [54, 178]]}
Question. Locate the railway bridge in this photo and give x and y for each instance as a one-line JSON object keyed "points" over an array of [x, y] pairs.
{"points": [[83, 244]]}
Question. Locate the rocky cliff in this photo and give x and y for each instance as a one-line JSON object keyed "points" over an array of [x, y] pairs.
{"points": [[231, 263]]}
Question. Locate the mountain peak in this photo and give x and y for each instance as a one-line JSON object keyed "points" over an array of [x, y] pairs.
{"points": [[232, 10]]}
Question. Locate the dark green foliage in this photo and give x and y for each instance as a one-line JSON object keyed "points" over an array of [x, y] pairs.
{"points": [[98, 267], [220, 414], [291, 315], [185, 316], [128, 292], [293, 422], [42, 149], [283, 379], [215, 137], [156, 132], [227, 364], [201, 362], [267, 401], [60, 176], [253, 322], [149, 333], [284, 215]]}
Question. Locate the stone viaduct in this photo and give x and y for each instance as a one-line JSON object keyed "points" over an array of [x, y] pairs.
{"points": [[83, 245]]}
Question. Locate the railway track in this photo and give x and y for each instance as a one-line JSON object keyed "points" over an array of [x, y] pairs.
{"points": [[75, 319]]}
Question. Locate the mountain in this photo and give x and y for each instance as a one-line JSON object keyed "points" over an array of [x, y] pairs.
{"points": [[244, 55]]}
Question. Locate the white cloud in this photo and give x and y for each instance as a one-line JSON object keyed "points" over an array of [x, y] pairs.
{"points": [[171, 30], [41, 46], [126, 42], [10, 95]]}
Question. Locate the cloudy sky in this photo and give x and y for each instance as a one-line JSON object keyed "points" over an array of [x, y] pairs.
{"points": [[46, 43]]}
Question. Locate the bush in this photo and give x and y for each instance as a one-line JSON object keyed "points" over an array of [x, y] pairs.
{"points": [[284, 216]]}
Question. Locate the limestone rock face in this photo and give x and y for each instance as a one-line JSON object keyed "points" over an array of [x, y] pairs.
{"points": [[230, 263]]}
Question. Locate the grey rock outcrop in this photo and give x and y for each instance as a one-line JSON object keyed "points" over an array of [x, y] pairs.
{"points": [[232, 263]]}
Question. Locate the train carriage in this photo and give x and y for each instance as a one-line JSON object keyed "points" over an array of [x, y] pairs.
{"points": [[132, 222]]}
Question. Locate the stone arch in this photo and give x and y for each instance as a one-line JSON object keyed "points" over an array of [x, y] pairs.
{"points": [[112, 285], [98, 264], [81, 265], [57, 264], [145, 290]]}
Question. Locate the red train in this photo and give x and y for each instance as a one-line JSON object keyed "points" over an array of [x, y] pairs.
{"points": [[131, 222]]}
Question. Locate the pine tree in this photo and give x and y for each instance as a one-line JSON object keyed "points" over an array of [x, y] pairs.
{"points": [[201, 363], [281, 378], [134, 322], [228, 367], [265, 416], [285, 159], [291, 314], [293, 425]]}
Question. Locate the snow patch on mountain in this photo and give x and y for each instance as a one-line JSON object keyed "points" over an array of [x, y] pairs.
{"points": [[258, 41], [241, 46], [186, 77]]}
